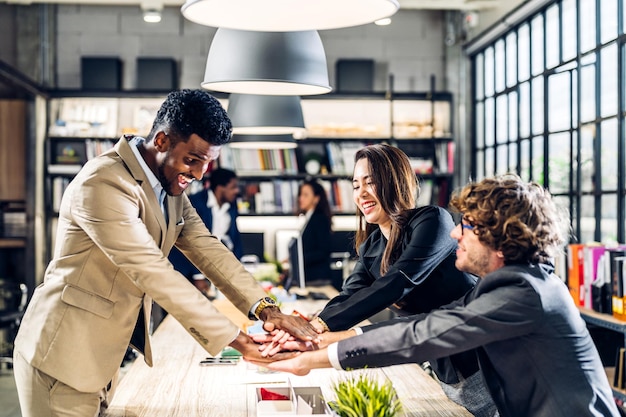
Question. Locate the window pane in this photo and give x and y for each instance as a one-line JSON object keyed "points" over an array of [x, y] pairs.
{"points": [[499, 65], [587, 136], [537, 160], [480, 74], [523, 55], [623, 3], [609, 218], [587, 93], [608, 80], [489, 167], [537, 105], [608, 17], [552, 36], [568, 10], [502, 159], [575, 98], [511, 59], [524, 110], [480, 126], [559, 162], [490, 119], [513, 116], [587, 220], [489, 74], [524, 159], [512, 157], [536, 36], [501, 119], [559, 104], [587, 25], [574, 152], [480, 164], [608, 154]]}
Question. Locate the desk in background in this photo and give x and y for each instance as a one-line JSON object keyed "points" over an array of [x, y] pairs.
{"points": [[177, 386]]}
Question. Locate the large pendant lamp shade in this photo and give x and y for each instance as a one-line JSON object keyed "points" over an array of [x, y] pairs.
{"points": [[287, 15], [263, 142], [269, 63], [265, 115]]}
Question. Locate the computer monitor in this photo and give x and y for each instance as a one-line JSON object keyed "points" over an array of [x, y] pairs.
{"points": [[296, 264]]}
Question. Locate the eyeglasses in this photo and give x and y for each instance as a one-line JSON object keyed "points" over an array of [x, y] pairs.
{"points": [[464, 226]]}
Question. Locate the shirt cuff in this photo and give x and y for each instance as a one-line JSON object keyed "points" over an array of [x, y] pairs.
{"points": [[358, 330], [198, 277], [235, 337], [333, 356], [253, 309]]}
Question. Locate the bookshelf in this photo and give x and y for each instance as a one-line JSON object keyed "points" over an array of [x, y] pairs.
{"points": [[613, 324], [336, 127], [82, 125], [13, 199]]}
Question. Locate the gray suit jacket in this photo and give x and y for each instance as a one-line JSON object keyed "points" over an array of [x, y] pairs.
{"points": [[534, 350], [110, 260]]}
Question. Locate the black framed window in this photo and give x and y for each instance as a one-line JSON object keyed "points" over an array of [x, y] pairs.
{"points": [[549, 99]]}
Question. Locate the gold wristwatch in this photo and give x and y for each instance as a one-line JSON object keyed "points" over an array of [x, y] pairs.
{"points": [[263, 304]]}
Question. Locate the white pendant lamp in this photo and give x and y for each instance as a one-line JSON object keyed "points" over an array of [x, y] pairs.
{"points": [[265, 115], [268, 63], [287, 15], [263, 142]]}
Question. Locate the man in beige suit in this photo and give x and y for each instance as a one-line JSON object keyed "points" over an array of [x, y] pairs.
{"points": [[110, 263]]}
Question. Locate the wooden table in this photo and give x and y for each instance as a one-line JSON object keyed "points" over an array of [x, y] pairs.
{"points": [[178, 386]]}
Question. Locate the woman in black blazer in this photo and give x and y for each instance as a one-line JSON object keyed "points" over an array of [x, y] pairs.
{"points": [[313, 203]]}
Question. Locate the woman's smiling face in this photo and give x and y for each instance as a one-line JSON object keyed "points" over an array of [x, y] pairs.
{"points": [[364, 194]]}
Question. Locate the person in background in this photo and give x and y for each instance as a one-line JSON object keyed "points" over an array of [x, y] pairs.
{"points": [[316, 233], [118, 220], [405, 262], [534, 349], [217, 206]]}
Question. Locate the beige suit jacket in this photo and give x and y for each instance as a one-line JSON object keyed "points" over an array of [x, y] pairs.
{"points": [[110, 259]]}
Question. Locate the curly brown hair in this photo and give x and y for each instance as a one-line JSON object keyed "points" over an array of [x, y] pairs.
{"points": [[519, 219]]}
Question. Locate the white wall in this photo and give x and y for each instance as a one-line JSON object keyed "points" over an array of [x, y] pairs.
{"points": [[411, 47]]}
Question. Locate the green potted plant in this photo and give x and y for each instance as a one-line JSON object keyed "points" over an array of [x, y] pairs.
{"points": [[362, 396]]}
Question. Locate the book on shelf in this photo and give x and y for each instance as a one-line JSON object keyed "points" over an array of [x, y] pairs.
{"points": [[64, 169], [575, 272], [618, 377], [592, 255], [259, 161]]}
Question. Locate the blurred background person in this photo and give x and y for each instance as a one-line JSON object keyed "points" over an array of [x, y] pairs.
{"points": [[216, 204], [316, 233]]}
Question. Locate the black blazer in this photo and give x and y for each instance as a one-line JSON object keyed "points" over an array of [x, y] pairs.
{"points": [[422, 279], [316, 248], [534, 349]]}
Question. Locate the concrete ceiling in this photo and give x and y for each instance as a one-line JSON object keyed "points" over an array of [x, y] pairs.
{"points": [[404, 4]]}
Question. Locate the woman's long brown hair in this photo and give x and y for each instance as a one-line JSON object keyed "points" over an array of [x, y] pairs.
{"points": [[397, 190]]}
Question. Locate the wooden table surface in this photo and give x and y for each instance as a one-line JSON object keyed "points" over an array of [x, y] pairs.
{"points": [[177, 386]]}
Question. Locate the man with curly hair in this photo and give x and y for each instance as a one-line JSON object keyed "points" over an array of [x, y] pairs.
{"points": [[535, 353], [118, 220]]}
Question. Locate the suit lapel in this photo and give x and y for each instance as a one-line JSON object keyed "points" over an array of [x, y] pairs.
{"points": [[125, 152]]}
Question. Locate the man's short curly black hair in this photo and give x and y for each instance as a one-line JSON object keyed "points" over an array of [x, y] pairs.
{"points": [[185, 112], [516, 217]]}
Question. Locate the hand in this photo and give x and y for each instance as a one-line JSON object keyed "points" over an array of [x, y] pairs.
{"points": [[294, 325], [300, 364], [278, 341], [250, 350]]}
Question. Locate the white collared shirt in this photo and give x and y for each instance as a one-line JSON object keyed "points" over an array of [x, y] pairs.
{"points": [[159, 192]]}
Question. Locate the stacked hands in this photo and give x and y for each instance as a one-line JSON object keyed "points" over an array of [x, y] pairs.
{"points": [[282, 347]]}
